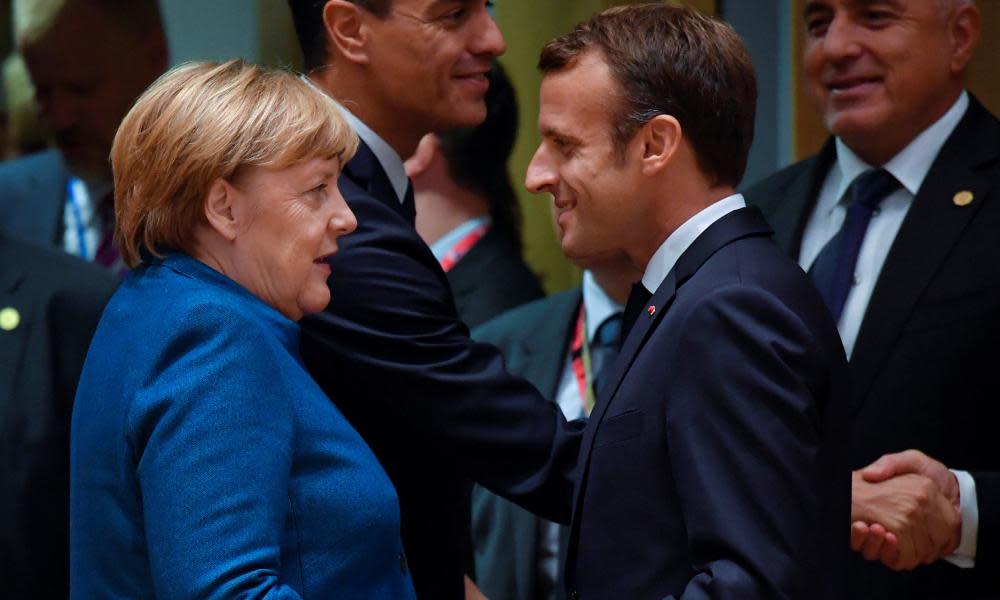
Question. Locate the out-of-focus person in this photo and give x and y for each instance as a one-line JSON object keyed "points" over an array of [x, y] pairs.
{"points": [[88, 60], [24, 133], [467, 210], [50, 303], [897, 220], [205, 461]]}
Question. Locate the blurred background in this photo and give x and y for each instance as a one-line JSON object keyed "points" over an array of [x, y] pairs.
{"points": [[261, 31]]}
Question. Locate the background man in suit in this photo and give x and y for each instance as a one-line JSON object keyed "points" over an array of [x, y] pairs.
{"points": [[714, 462], [561, 344], [467, 210], [49, 307], [88, 60], [918, 302], [436, 408]]}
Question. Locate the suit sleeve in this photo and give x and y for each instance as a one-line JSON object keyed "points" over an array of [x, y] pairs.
{"points": [[759, 483], [988, 535], [415, 373], [213, 465]]}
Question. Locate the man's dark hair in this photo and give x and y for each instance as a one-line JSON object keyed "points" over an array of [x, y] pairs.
{"points": [[307, 15], [676, 61], [477, 156]]}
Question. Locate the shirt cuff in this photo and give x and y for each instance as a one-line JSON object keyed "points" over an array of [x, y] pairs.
{"points": [[965, 555]]}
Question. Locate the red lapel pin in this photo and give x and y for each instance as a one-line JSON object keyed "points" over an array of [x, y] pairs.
{"points": [[651, 310]]}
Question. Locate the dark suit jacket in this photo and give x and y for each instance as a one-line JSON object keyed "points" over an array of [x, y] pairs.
{"points": [[59, 299], [435, 407], [924, 362], [534, 339], [492, 278], [34, 191], [714, 463]]}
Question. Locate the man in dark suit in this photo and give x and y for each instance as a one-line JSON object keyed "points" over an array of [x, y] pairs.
{"points": [[920, 314], [714, 462], [467, 209], [390, 349], [561, 344], [49, 307], [88, 60]]}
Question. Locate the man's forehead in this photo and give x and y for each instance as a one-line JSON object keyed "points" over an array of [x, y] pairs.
{"points": [[813, 6]]}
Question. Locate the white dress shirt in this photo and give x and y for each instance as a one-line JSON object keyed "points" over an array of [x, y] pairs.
{"points": [[446, 242], [910, 167]]}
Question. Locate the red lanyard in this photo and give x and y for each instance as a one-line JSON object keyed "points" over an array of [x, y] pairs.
{"points": [[462, 247], [580, 351]]}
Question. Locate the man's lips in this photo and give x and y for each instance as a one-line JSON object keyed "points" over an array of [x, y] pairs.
{"points": [[852, 86]]}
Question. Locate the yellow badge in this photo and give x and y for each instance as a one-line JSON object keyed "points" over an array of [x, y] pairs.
{"points": [[9, 319], [963, 198]]}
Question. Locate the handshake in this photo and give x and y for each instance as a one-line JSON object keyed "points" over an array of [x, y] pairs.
{"points": [[905, 510]]}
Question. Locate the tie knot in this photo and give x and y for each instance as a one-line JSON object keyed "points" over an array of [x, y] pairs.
{"points": [[609, 333], [871, 187]]}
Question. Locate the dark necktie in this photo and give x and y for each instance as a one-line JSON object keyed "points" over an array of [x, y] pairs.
{"points": [[833, 269], [409, 205], [638, 298], [605, 347]]}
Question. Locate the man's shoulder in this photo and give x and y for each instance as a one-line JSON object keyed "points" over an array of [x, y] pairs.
{"points": [[44, 164], [525, 320], [767, 193]]}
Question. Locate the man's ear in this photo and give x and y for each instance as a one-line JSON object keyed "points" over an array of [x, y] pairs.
{"points": [[659, 138], [346, 30], [966, 27], [219, 209], [427, 151]]}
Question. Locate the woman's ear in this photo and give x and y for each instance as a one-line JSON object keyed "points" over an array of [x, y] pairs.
{"points": [[346, 30], [661, 136], [219, 209]]}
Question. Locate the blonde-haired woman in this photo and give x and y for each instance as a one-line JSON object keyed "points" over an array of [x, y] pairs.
{"points": [[205, 461]]}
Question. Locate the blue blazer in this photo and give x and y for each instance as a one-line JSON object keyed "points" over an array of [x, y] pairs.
{"points": [[714, 463], [206, 463], [436, 408]]}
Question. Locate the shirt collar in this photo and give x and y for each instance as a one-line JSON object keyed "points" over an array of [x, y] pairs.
{"points": [[911, 165], [666, 255], [597, 304], [387, 157]]}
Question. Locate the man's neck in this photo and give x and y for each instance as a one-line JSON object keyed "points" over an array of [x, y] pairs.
{"points": [[351, 93], [441, 211]]}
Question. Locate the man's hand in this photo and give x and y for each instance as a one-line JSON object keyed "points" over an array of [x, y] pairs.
{"points": [[905, 510]]}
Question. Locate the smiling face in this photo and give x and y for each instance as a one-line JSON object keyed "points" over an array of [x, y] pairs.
{"points": [[882, 71], [430, 59], [289, 223], [599, 212]]}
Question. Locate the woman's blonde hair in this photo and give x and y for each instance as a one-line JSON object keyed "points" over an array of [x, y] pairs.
{"points": [[200, 122]]}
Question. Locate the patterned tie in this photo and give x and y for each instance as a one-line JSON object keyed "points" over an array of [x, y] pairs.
{"points": [[833, 269], [605, 347]]}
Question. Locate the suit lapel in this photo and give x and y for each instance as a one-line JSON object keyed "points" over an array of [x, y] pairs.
{"points": [[365, 171], [544, 360], [928, 233]]}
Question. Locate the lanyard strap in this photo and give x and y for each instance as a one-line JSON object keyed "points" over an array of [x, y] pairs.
{"points": [[73, 199], [580, 351], [462, 247]]}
